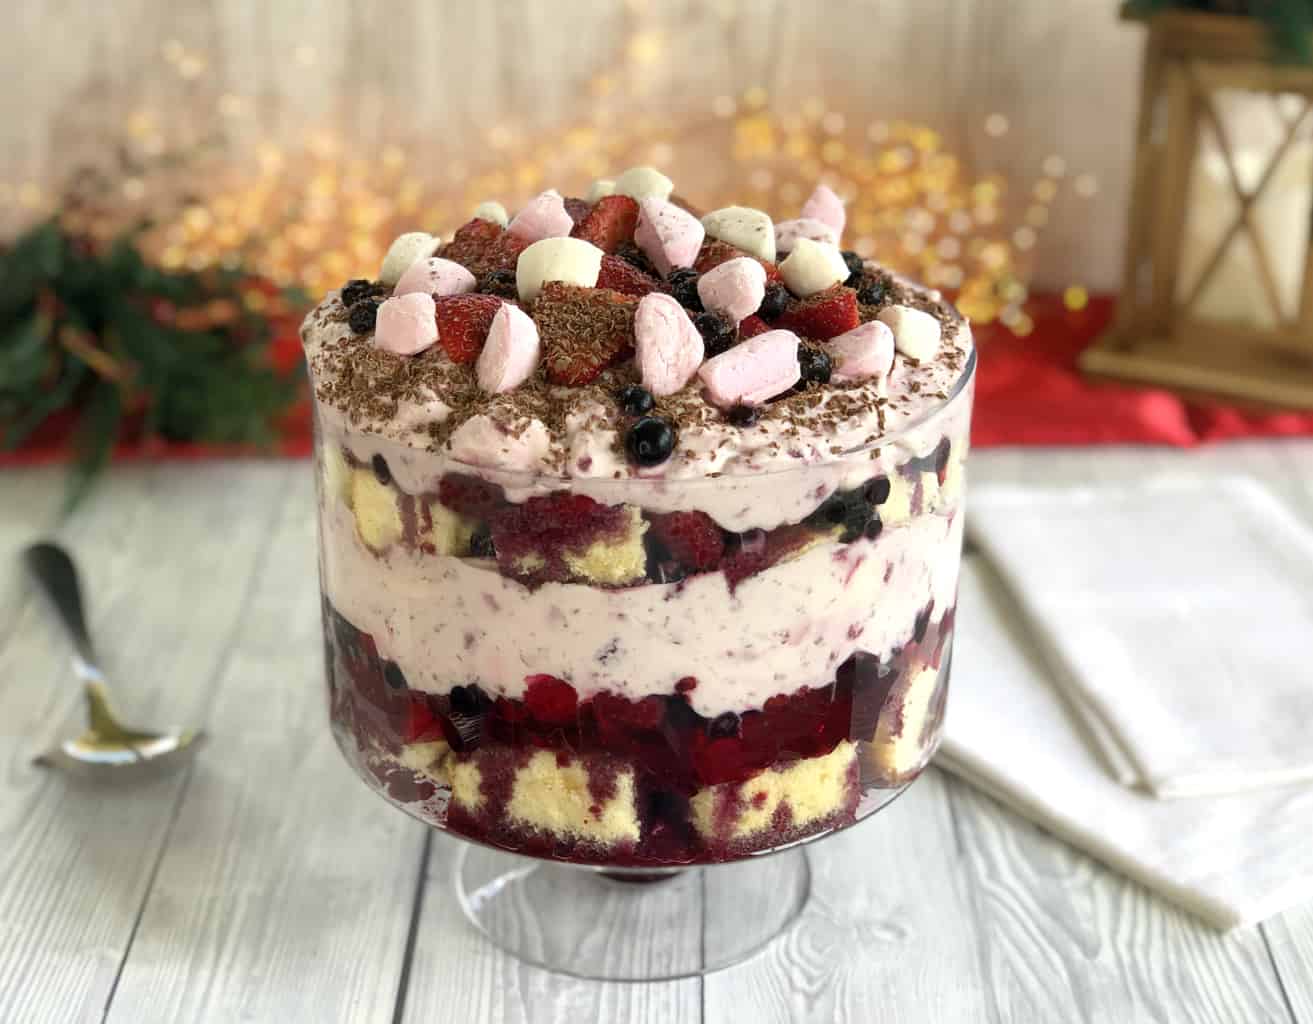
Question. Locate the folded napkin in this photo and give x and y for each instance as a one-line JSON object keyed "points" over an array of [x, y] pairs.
{"points": [[1233, 860], [1177, 617]]}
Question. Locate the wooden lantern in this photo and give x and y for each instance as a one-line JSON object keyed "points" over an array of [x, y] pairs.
{"points": [[1197, 312]]}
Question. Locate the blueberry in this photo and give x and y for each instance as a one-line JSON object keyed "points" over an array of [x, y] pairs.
{"points": [[393, 676], [872, 528], [872, 292], [650, 441], [635, 257], [500, 283], [381, 470], [854, 264], [876, 491], [362, 315], [744, 415], [718, 334], [481, 544], [775, 302], [684, 287], [635, 400], [355, 290], [815, 366], [724, 726]]}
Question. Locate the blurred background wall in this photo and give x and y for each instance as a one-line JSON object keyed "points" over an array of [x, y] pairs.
{"points": [[1034, 93]]}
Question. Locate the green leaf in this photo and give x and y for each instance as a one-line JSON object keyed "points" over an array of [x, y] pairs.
{"points": [[52, 401], [96, 434], [31, 263], [24, 354]]}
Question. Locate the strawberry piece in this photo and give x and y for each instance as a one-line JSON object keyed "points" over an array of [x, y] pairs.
{"points": [[759, 549], [752, 326], [825, 315], [692, 538], [470, 496], [482, 247], [609, 223], [619, 275], [463, 323], [583, 330], [714, 252], [422, 723], [550, 700]]}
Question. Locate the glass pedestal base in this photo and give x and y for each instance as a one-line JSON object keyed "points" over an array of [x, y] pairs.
{"points": [[630, 924]]}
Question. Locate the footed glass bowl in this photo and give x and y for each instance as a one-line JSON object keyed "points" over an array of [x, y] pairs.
{"points": [[640, 677]]}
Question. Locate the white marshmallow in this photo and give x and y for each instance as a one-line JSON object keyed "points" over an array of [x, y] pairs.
{"points": [[405, 250], [600, 189], [916, 332], [571, 260], [787, 232], [812, 267], [492, 211], [825, 206], [744, 228], [511, 352], [641, 183]]}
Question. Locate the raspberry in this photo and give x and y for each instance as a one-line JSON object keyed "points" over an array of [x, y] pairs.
{"points": [[825, 315], [609, 224], [752, 326], [620, 276], [693, 538], [550, 700], [463, 323], [422, 724], [583, 331]]}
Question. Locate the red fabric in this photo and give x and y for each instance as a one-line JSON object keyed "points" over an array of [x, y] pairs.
{"points": [[1028, 392]]}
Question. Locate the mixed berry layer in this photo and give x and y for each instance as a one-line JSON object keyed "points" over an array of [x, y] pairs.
{"points": [[658, 782]]}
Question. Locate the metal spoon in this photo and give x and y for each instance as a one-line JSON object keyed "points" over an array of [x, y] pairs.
{"points": [[107, 747]]}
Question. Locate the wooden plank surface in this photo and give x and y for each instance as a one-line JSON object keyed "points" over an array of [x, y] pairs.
{"points": [[437, 74], [270, 885]]}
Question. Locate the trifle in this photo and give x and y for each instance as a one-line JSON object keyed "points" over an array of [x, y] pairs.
{"points": [[639, 525]]}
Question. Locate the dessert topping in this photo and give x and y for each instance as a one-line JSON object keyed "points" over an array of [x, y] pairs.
{"points": [[774, 302], [568, 260], [463, 323], [813, 366], [544, 216], [405, 250], [609, 223], [668, 347], [621, 276], [405, 324], [734, 289], [643, 183], [916, 333], [650, 441], [787, 233], [752, 326], [583, 330], [511, 353], [635, 401], [600, 188], [363, 314], [865, 351], [683, 285], [493, 212], [435, 276], [669, 235], [717, 332], [825, 206], [744, 228], [824, 315], [753, 371], [813, 267]]}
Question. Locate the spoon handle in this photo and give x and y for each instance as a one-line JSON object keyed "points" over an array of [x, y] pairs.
{"points": [[53, 569]]}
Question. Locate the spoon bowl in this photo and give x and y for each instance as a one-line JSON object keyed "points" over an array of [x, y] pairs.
{"points": [[107, 747]]}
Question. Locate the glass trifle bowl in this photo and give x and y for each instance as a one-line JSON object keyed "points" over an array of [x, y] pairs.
{"points": [[634, 622]]}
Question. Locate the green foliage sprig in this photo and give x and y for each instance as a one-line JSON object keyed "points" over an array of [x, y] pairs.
{"points": [[1289, 22]]}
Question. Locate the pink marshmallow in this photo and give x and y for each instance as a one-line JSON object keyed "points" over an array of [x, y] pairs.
{"points": [[667, 346], [825, 206], [669, 235], [544, 216], [865, 351], [510, 354], [735, 288], [435, 276], [405, 324], [753, 370], [789, 231]]}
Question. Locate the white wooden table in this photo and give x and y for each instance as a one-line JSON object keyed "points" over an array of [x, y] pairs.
{"points": [[267, 884]]}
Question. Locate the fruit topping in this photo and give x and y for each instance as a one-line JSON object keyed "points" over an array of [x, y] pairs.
{"points": [[822, 316], [744, 415], [482, 246], [690, 538], [463, 324], [774, 302], [650, 441], [635, 400], [752, 326], [583, 330], [683, 285], [609, 223], [718, 334], [363, 314], [813, 366], [619, 276]]}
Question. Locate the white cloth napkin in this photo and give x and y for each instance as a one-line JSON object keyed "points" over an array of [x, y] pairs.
{"points": [[1233, 860], [1177, 616]]}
